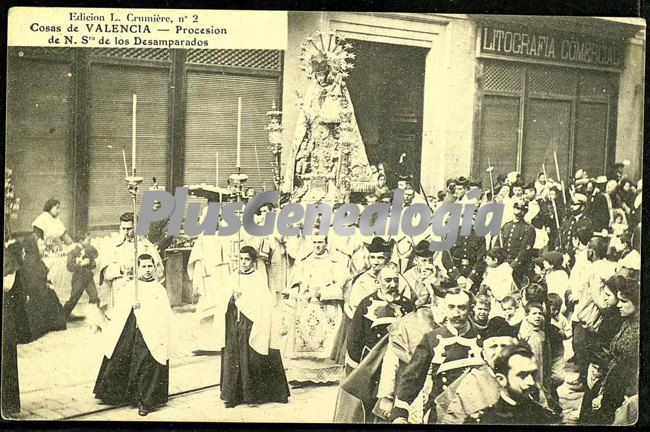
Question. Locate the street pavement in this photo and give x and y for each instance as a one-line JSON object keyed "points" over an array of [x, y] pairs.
{"points": [[57, 373]]}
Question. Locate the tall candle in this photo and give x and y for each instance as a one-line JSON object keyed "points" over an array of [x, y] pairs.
{"points": [[239, 132], [133, 131], [126, 170]]}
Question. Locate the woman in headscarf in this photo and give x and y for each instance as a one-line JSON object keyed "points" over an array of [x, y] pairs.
{"points": [[42, 308], [10, 389]]}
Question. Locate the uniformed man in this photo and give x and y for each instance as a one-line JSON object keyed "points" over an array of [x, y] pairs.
{"points": [[444, 352], [477, 388], [597, 209], [518, 241], [374, 314], [463, 262], [515, 369], [423, 277], [575, 221]]}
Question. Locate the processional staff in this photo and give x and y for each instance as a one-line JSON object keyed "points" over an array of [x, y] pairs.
{"points": [[557, 220], [557, 171], [490, 168], [133, 183]]}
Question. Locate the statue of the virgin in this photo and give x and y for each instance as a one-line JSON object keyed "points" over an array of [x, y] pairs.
{"points": [[327, 158]]}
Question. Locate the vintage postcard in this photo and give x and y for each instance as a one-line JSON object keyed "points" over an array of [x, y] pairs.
{"points": [[322, 217]]}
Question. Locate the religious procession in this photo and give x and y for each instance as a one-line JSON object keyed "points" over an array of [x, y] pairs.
{"points": [[536, 325]]}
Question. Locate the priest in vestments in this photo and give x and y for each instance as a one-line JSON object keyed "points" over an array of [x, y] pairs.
{"points": [[208, 267], [135, 369], [251, 364]]}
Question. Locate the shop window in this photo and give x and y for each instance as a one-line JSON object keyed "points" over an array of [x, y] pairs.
{"points": [[499, 131], [547, 127], [39, 99], [111, 93]]}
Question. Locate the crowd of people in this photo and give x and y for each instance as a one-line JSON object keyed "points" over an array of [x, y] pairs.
{"points": [[485, 332]]}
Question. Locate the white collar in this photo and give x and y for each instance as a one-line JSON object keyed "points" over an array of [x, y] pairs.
{"points": [[457, 332], [508, 399]]}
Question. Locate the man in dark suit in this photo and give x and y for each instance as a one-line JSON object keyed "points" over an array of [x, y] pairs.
{"points": [[515, 369]]}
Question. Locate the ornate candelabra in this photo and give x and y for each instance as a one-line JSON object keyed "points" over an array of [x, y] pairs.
{"points": [[275, 140]]}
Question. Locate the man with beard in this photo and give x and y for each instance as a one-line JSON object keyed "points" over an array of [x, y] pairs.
{"points": [[478, 388], [515, 369], [575, 221], [444, 352], [365, 283], [368, 328], [518, 241], [423, 276], [373, 316], [358, 288]]}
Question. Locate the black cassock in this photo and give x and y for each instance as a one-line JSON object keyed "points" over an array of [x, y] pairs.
{"points": [[132, 376], [248, 377], [10, 391]]}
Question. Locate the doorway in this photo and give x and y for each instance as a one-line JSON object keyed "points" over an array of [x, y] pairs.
{"points": [[387, 91]]}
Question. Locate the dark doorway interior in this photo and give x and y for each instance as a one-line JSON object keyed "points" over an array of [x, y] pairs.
{"points": [[387, 91]]}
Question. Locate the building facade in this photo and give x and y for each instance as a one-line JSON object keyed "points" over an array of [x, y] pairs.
{"points": [[456, 93]]}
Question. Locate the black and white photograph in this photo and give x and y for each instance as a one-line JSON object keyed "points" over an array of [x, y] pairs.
{"points": [[535, 323]]}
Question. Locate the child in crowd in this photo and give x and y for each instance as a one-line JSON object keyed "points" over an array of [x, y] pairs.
{"points": [[512, 312], [554, 304], [81, 262], [557, 279], [481, 312], [618, 226], [497, 278]]}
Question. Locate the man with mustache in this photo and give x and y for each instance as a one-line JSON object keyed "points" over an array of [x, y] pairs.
{"points": [[446, 351], [368, 330], [515, 370], [374, 314]]}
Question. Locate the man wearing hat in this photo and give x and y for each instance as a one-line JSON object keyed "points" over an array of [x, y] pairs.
{"points": [[616, 172], [478, 388], [423, 276], [464, 261], [461, 187], [374, 314], [597, 207], [518, 241], [365, 283], [575, 221]]}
